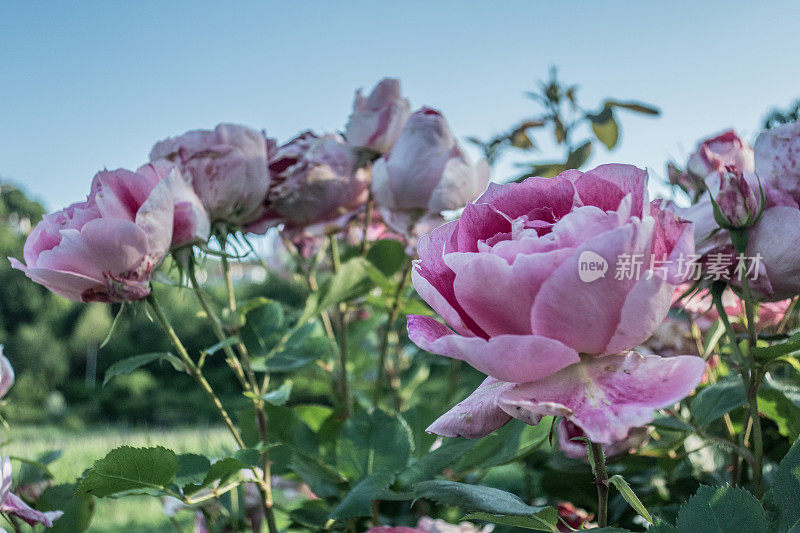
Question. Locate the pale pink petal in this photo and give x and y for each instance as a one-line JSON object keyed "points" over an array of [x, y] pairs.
{"points": [[585, 315], [644, 309], [514, 358], [66, 284], [13, 505], [775, 238], [607, 396], [476, 416]]}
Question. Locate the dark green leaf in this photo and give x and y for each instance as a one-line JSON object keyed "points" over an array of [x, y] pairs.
{"points": [[359, 500], [544, 520], [786, 488], [578, 157], [715, 400], [722, 510], [768, 353], [313, 514], [126, 366], [474, 498], [663, 421], [77, 508], [321, 479], [373, 442], [388, 256], [431, 464], [131, 470], [278, 396], [634, 106], [192, 469], [775, 405], [350, 282]]}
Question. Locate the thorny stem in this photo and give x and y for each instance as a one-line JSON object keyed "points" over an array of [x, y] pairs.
{"points": [[384, 348], [752, 383], [193, 370], [601, 480]]}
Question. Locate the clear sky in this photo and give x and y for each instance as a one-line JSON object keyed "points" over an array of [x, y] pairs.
{"points": [[88, 85]]}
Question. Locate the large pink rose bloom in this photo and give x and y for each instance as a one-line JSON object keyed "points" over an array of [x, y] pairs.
{"points": [[505, 277], [716, 153], [778, 158], [227, 168], [377, 120], [103, 249], [425, 173], [315, 179]]}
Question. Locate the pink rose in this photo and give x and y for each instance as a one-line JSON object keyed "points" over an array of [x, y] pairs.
{"points": [[190, 221], [700, 307], [11, 504], [778, 158], [315, 179], [425, 172], [552, 341], [227, 168], [716, 153], [103, 249], [738, 203], [377, 120]]}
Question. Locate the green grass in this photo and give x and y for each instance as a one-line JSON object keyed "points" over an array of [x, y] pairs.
{"points": [[81, 448]]}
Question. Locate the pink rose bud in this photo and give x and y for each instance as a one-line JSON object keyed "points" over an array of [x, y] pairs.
{"points": [[719, 152], [190, 224], [103, 249], [315, 179], [227, 168], [377, 120], [739, 205], [6, 374], [426, 172], [778, 158], [571, 445], [529, 281]]}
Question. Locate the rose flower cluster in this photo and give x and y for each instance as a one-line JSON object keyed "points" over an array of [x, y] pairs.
{"points": [[233, 178]]}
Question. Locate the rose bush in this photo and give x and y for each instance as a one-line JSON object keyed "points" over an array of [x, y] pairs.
{"points": [[551, 343]]}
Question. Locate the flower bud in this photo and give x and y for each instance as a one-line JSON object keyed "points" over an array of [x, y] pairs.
{"points": [[738, 205], [376, 121]]}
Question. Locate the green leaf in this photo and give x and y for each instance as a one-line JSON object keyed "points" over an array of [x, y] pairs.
{"points": [[786, 488], [224, 343], [358, 501], [77, 508], [131, 470], [278, 396], [768, 353], [321, 479], [432, 464], [578, 157], [775, 405], [350, 282], [716, 400], [630, 496], [388, 256], [638, 107], [192, 469], [544, 520], [663, 421], [312, 514], [722, 510], [126, 366], [373, 442], [607, 132], [474, 498]]}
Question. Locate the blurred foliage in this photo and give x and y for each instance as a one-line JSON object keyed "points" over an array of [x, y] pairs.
{"points": [[563, 117], [776, 116]]}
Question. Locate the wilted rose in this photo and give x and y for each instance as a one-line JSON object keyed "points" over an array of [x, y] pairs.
{"points": [[552, 342], [716, 153], [103, 249], [316, 179], [377, 120], [227, 168], [425, 172]]}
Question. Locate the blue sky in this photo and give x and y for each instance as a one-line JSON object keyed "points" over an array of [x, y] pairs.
{"points": [[90, 85]]}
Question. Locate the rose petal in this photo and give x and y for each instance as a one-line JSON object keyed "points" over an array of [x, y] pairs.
{"points": [[514, 358], [476, 416]]}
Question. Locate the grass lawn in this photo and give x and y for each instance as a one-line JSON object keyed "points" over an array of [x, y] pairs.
{"points": [[81, 448]]}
